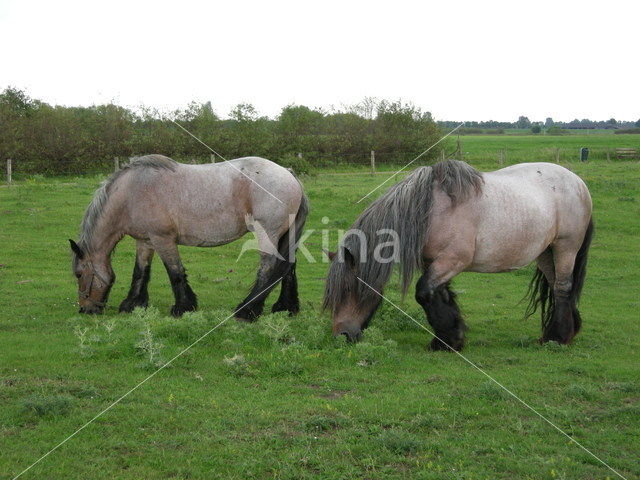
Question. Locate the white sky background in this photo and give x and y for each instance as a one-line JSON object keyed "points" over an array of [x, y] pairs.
{"points": [[462, 60]]}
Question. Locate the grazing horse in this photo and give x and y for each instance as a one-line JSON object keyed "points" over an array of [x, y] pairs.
{"points": [[451, 218], [163, 204]]}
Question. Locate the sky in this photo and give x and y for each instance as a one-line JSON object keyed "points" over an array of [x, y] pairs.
{"points": [[462, 60]]}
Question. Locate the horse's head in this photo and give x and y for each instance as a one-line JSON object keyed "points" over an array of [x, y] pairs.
{"points": [[95, 278], [351, 302]]}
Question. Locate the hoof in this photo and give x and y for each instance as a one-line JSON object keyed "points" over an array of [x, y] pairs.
{"points": [[128, 305], [281, 307], [179, 310], [247, 314], [455, 344]]}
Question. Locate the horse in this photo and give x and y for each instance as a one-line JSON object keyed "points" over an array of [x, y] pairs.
{"points": [[162, 204], [449, 218]]}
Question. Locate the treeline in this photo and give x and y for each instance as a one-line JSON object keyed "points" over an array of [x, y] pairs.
{"points": [[491, 126], [43, 138]]}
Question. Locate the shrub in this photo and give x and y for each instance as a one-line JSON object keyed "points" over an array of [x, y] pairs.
{"points": [[299, 165], [556, 131], [536, 129]]}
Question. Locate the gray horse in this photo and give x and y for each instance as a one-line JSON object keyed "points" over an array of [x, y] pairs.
{"points": [[451, 218], [163, 204]]}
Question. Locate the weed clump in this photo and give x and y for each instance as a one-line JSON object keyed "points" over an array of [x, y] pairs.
{"points": [[399, 442], [47, 405]]}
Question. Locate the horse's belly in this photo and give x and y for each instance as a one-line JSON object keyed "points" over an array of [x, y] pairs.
{"points": [[519, 230], [211, 230]]}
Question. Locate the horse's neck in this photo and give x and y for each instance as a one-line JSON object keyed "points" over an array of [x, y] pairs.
{"points": [[105, 237]]}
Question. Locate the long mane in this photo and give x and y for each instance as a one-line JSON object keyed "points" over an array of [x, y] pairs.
{"points": [[101, 196], [406, 209]]}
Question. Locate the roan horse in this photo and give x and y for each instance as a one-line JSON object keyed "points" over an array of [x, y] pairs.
{"points": [[451, 218], [163, 204]]}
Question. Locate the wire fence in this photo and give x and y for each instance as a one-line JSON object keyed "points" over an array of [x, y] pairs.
{"points": [[303, 161]]}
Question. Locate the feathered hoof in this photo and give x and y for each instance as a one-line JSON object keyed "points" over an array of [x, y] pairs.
{"points": [[179, 310], [437, 345]]}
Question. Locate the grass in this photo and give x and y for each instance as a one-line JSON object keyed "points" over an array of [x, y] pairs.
{"points": [[282, 398]]}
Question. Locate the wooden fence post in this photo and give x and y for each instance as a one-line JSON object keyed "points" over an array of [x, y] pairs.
{"points": [[9, 171], [213, 158], [373, 161], [116, 164], [442, 155], [557, 155], [500, 157], [299, 155], [608, 155]]}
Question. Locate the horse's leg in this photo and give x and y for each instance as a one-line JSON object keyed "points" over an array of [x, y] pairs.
{"points": [[288, 299], [562, 325], [185, 299], [271, 270], [439, 303], [138, 295]]}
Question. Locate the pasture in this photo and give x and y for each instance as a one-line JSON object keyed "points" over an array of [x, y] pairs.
{"points": [[282, 398]]}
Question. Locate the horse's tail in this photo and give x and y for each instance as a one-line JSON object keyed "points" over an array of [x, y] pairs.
{"points": [[540, 292], [579, 274]]}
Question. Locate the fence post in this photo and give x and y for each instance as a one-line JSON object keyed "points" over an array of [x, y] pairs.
{"points": [[373, 161], [213, 158], [442, 155], [9, 171], [608, 155], [116, 164], [557, 155], [299, 155]]}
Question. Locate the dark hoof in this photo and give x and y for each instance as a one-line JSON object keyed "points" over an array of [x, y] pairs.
{"points": [[247, 314], [552, 338], [179, 310], [282, 307], [455, 344], [128, 304]]}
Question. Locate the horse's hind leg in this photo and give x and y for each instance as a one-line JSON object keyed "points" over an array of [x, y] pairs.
{"points": [[439, 303], [288, 300], [138, 295], [185, 299], [564, 319]]}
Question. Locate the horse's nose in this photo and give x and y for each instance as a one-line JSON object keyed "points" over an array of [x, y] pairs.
{"points": [[352, 334]]}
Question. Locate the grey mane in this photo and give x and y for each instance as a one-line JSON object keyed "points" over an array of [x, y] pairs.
{"points": [[406, 209], [101, 196]]}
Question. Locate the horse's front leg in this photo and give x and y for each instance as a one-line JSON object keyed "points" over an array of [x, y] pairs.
{"points": [[185, 299], [439, 303], [138, 295]]}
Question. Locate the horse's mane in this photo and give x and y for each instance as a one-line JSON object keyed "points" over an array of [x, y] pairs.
{"points": [[405, 209], [101, 196]]}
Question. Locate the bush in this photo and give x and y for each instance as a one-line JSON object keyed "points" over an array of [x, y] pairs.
{"points": [[299, 165], [627, 130], [556, 131], [536, 129]]}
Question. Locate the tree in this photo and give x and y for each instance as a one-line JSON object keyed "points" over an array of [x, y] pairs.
{"points": [[612, 121], [548, 122], [523, 122], [536, 128]]}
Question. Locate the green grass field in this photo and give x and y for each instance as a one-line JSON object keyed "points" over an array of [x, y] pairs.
{"points": [[282, 398]]}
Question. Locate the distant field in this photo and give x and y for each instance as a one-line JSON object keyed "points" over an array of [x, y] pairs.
{"points": [[282, 398], [523, 148]]}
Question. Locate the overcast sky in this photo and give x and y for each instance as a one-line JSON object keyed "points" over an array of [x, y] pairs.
{"points": [[461, 60]]}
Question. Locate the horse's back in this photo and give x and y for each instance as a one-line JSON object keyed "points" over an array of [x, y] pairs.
{"points": [[210, 204], [523, 209]]}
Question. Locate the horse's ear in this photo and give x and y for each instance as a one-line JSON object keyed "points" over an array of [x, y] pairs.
{"points": [[349, 259], [76, 249], [330, 255]]}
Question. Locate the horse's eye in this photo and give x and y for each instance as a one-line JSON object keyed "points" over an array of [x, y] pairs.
{"points": [[78, 275]]}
